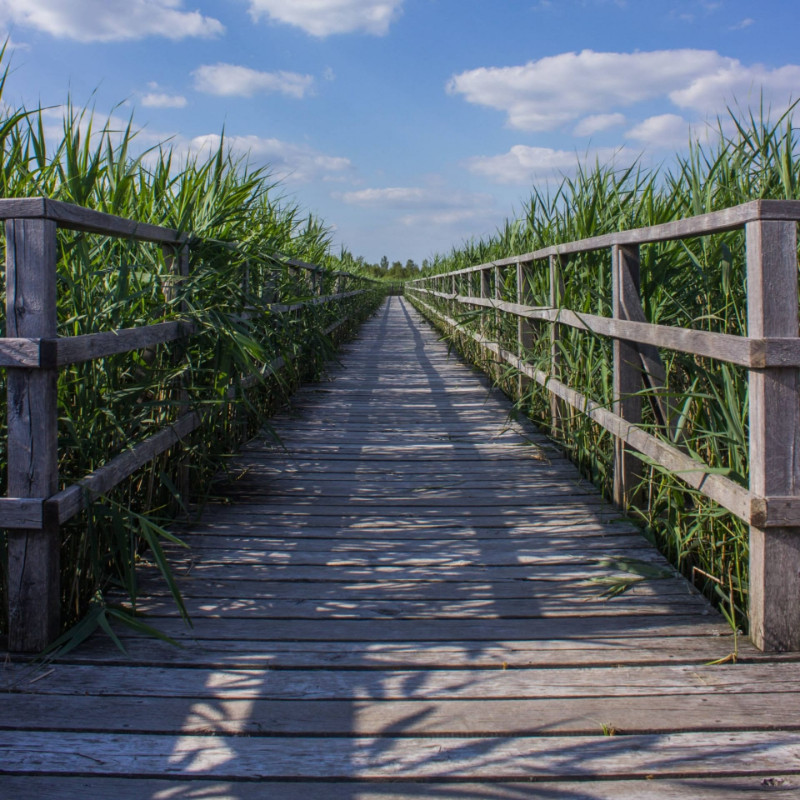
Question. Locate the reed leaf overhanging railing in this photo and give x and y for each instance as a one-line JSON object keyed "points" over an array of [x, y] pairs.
{"points": [[32, 352], [770, 352]]}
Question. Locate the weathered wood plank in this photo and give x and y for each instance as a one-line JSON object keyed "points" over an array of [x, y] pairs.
{"points": [[71, 350], [224, 683], [71, 500], [778, 786], [375, 716], [639, 755]]}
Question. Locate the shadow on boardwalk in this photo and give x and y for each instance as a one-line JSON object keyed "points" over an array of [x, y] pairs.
{"points": [[396, 606]]}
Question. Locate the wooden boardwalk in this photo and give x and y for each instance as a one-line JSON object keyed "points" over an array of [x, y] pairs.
{"points": [[396, 606]]}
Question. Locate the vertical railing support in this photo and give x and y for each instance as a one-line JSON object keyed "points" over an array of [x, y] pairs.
{"points": [[627, 381], [556, 301], [486, 329], [525, 330], [772, 310], [34, 585]]}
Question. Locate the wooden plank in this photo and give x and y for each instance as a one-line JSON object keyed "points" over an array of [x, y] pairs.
{"points": [[34, 581], [256, 716], [779, 786], [73, 499], [772, 310], [256, 758], [411, 653], [461, 630], [756, 353], [442, 684], [75, 349], [78, 218]]}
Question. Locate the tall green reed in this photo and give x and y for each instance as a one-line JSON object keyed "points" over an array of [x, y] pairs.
{"points": [[695, 283], [240, 233]]}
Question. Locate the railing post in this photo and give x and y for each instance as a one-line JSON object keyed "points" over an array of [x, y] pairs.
{"points": [[34, 584], [485, 327], [555, 264], [524, 327], [772, 310], [627, 381], [176, 259]]}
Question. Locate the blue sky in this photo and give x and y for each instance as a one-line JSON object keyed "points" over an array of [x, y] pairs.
{"points": [[408, 125]]}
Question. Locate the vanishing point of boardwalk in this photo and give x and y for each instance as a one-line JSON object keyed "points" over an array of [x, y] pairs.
{"points": [[396, 602]]}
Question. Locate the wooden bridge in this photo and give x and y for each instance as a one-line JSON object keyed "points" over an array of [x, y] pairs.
{"points": [[399, 604], [400, 596]]}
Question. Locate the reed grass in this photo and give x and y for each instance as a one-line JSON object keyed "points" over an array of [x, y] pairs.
{"points": [[695, 283], [241, 232]]}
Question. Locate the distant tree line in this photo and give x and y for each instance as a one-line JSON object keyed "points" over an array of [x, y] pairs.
{"points": [[394, 271]]}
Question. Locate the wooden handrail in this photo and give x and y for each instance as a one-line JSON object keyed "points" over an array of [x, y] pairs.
{"points": [[770, 352], [32, 352]]}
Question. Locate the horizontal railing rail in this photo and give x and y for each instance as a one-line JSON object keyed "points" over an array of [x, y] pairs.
{"points": [[770, 351], [32, 352]]}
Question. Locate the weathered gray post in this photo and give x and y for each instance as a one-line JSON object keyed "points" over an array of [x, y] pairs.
{"points": [[556, 301], [525, 331], [34, 581], [772, 310], [627, 370]]}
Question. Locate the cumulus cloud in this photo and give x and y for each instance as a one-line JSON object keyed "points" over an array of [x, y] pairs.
{"points": [[663, 130], [163, 100], [714, 91], [229, 80], [296, 163], [109, 20], [325, 17], [522, 164], [598, 122], [548, 93]]}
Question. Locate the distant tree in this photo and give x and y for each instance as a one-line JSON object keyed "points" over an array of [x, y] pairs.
{"points": [[384, 264], [411, 268]]}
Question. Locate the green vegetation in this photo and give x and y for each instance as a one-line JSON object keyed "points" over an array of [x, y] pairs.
{"points": [[696, 283], [240, 234]]}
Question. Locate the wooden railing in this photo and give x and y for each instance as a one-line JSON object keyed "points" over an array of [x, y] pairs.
{"points": [[770, 352], [32, 352]]}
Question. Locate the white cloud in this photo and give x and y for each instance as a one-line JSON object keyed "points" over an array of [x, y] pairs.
{"points": [[553, 91], [598, 122], [326, 17], [163, 100], [230, 80], [664, 130], [745, 23], [522, 164], [296, 163], [714, 91], [109, 20]]}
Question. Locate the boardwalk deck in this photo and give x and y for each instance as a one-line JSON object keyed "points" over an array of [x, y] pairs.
{"points": [[398, 605]]}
